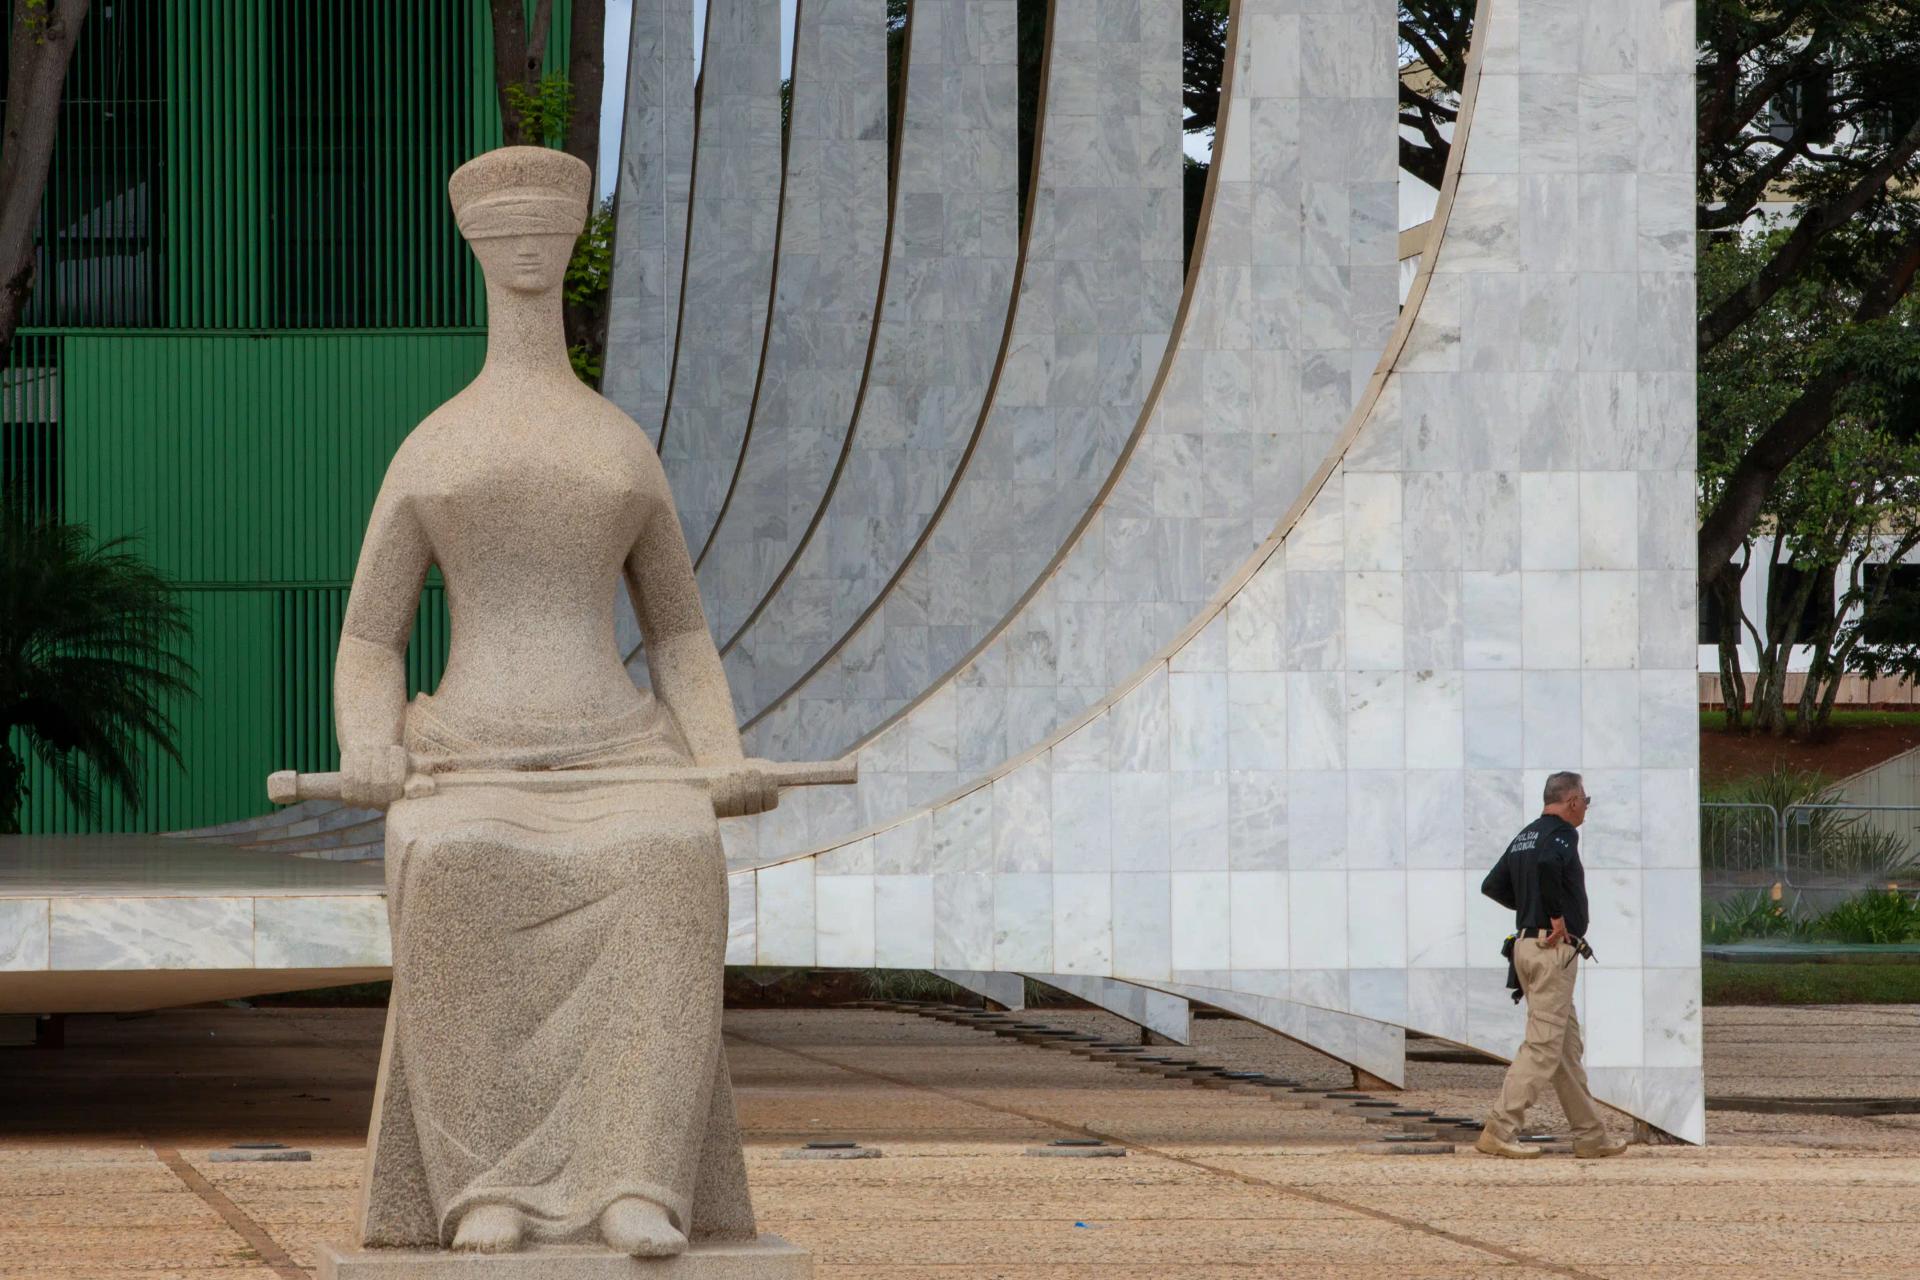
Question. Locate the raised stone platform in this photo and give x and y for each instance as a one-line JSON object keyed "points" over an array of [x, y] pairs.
{"points": [[768, 1258]]}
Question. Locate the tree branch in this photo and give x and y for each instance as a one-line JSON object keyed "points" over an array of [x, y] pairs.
{"points": [[39, 47], [1815, 225]]}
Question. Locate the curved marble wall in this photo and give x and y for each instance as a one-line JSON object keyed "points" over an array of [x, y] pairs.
{"points": [[734, 210], [1288, 810], [943, 314], [1100, 281], [650, 212], [833, 235], [1292, 298]]}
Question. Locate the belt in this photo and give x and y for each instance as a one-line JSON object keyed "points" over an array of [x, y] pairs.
{"points": [[1535, 933]]}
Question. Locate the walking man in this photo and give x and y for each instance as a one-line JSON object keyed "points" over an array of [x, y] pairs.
{"points": [[1540, 878]]}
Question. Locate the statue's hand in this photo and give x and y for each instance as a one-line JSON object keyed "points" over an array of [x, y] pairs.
{"points": [[373, 777], [744, 791]]}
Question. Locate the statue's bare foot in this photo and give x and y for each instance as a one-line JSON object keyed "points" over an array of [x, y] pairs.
{"points": [[490, 1228], [640, 1228]]}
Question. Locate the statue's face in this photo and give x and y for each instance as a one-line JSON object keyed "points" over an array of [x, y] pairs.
{"points": [[525, 263]]}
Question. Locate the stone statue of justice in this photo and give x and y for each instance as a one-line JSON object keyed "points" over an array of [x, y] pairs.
{"points": [[553, 1072]]}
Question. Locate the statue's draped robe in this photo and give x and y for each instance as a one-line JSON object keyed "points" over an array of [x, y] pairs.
{"points": [[553, 1041]]}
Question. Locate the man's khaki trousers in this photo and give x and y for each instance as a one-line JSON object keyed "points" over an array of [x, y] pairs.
{"points": [[1550, 1055]]}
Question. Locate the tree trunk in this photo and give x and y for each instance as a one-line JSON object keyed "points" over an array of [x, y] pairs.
{"points": [[586, 73], [13, 786], [1733, 681], [518, 51], [39, 48]]}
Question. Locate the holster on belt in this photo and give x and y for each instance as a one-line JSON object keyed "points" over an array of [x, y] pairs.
{"points": [[1513, 974]]}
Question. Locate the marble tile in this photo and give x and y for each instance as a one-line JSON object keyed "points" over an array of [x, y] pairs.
{"points": [[1436, 818], [1023, 819], [1142, 925], [1671, 906], [1377, 919], [1376, 819], [962, 837], [1372, 520], [1491, 620], [1609, 719], [963, 920], [1199, 815], [1614, 898], [1082, 826], [320, 933], [1550, 634], [1436, 719], [1259, 920], [1550, 715], [1142, 821], [1256, 822], [1256, 720], [1378, 720], [1317, 919], [1023, 922], [786, 916], [1139, 733], [1613, 1023], [1494, 728], [1316, 729], [742, 918], [152, 933], [1550, 514], [1316, 820], [904, 926], [1255, 622], [843, 907], [24, 934], [1437, 1002], [1437, 918], [1376, 621], [1670, 1007], [1082, 923], [1200, 914]]}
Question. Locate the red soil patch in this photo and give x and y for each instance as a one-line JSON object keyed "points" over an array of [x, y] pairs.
{"points": [[1844, 751]]}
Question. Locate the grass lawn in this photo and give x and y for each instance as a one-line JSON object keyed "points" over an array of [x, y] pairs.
{"points": [[1737, 982], [1716, 721]]}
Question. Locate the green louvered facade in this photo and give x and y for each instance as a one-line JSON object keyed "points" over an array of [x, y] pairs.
{"points": [[250, 288]]}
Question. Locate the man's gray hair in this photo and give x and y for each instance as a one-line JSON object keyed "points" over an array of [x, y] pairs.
{"points": [[1562, 786]]}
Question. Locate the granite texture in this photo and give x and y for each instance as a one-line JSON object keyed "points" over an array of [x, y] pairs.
{"points": [[552, 1071]]}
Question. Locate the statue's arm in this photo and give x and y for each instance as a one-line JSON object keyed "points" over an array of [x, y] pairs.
{"points": [[681, 657], [370, 674]]}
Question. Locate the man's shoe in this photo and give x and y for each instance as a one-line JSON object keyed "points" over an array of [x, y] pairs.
{"points": [[1598, 1150], [1487, 1144]]}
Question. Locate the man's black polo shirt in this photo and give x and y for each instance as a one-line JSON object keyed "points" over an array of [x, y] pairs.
{"points": [[1540, 877]]}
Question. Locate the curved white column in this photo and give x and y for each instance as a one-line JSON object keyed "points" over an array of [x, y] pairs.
{"points": [[944, 312], [734, 209], [1487, 579], [650, 213], [833, 238], [1099, 286]]}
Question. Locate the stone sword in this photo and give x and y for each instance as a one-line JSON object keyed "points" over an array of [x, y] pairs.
{"points": [[288, 786]]}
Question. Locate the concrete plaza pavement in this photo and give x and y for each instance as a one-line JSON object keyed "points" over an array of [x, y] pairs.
{"points": [[104, 1169]]}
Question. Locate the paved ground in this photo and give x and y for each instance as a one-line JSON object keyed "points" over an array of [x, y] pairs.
{"points": [[104, 1170]]}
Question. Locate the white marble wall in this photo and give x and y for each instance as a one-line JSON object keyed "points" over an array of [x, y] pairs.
{"points": [[833, 236], [650, 214], [944, 311], [119, 932], [1290, 809], [734, 210], [1292, 299], [1100, 281]]}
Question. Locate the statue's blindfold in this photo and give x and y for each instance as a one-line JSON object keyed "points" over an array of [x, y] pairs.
{"points": [[521, 215]]}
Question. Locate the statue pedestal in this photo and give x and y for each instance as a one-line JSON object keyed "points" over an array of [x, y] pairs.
{"points": [[768, 1258]]}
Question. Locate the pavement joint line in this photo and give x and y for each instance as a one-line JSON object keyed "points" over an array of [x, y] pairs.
{"points": [[1315, 1197], [272, 1254]]}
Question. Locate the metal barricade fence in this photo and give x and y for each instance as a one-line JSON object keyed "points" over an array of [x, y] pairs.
{"points": [[1740, 846]]}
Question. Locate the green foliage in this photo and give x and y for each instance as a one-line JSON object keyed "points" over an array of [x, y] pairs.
{"points": [[89, 635], [1780, 787], [543, 111], [1749, 915], [589, 276], [1876, 917]]}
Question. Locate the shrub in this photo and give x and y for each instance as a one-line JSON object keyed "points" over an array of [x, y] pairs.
{"points": [[1749, 915], [1877, 916]]}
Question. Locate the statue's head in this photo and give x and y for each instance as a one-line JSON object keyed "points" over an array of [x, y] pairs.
{"points": [[521, 208]]}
